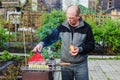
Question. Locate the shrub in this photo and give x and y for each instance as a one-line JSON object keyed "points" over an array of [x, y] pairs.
{"points": [[49, 22], [4, 35], [111, 34], [107, 34]]}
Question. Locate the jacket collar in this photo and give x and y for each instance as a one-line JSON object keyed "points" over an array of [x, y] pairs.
{"points": [[66, 24]]}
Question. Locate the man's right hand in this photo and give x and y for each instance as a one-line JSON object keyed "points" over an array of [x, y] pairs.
{"points": [[38, 48]]}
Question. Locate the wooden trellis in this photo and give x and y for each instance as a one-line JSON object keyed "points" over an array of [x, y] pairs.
{"points": [[30, 22], [97, 17], [25, 29]]}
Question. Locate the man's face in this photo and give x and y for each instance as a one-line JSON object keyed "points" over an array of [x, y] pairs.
{"points": [[72, 18]]}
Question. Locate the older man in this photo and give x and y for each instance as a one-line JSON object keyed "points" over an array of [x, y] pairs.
{"points": [[77, 41]]}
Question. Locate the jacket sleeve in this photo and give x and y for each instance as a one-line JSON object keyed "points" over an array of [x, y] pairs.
{"points": [[51, 38], [89, 44]]}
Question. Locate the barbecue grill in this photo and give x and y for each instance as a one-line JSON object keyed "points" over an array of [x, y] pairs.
{"points": [[38, 74], [39, 69]]}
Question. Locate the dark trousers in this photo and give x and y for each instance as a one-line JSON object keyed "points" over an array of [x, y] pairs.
{"points": [[75, 71]]}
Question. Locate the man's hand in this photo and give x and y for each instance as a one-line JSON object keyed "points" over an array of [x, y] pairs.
{"points": [[75, 51], [38, 48]]}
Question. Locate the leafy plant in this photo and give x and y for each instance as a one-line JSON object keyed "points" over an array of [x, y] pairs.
{"points": [[6, 56], [47, 53], [107, 34], [85, 10], [49, 22], [111, 34], [4, 34]]}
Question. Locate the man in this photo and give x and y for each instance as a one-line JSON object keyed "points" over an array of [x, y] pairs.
{"points": [[77, 41]]}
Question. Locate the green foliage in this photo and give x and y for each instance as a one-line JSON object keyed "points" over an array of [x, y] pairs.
{"points": [[46, 54], [6, 56], [97, 31], [111, 33], [49, 22], [4, 34], [85, 10], [107, 32], [110, 58]]}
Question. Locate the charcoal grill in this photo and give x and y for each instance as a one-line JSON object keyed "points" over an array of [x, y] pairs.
{"points": [[38, 74], [39, 69]]}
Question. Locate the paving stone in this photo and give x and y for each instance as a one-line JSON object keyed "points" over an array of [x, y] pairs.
{"points": [[104, 69], [101, 70]]}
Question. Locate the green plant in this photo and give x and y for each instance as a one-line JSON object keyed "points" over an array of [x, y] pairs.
{"points": [[107, 34], [11, 71], [46, 53], [111, 34], [49, 22], [85, 10], [6, 56], [4, 34], [97, 31]]}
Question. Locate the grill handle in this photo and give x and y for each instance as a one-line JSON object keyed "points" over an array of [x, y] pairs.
{"points": [[63, 64]]}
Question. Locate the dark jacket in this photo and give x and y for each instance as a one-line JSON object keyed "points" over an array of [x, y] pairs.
{"points": [[82, 38]]}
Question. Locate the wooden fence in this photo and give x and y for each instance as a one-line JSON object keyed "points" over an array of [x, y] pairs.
{"points": [[97, 18]]}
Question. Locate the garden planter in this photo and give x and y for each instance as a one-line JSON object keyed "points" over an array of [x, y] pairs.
{"points": [[9, 70], [4, 65]]}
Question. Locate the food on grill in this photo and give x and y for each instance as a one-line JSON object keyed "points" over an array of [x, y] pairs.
{"points": [[37, 65]]}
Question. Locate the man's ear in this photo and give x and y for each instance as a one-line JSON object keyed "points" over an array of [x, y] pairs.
{"points": [[78, 17]]}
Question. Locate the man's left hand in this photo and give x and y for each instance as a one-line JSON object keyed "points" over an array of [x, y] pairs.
{"points": [[75, 51]]}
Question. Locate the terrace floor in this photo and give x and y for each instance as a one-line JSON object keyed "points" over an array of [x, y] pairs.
{"points": [[100, 69], [104, 69]]}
